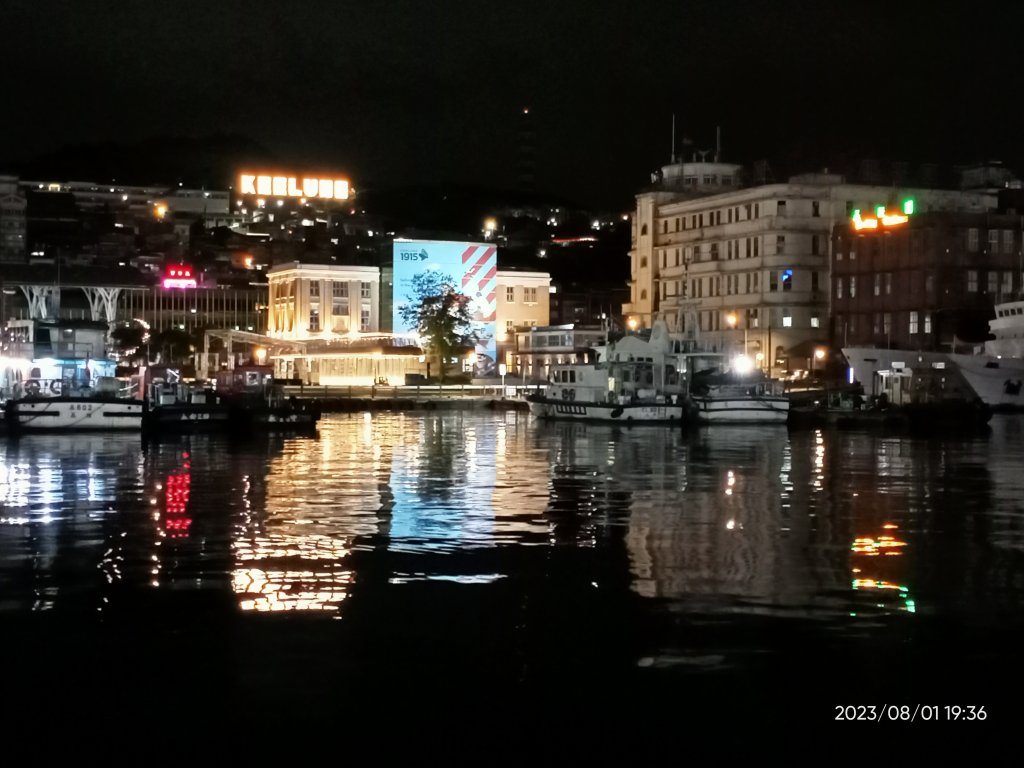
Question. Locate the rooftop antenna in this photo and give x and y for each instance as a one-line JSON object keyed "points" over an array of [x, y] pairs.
{"points": [[673, 160]]}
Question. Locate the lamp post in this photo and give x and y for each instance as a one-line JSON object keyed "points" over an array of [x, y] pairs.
{"points": [[819, 354]]}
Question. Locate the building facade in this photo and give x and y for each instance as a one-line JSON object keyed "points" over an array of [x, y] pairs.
{"points": [[538, 348], [748, 269], [523, 301], [322, 300], [929, 283], [12, 222]]}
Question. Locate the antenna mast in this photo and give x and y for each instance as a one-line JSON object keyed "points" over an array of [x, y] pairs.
{"points": [[673, 138]]}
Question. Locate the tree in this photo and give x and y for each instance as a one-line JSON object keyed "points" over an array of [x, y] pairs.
{"points": [[440, 314]]}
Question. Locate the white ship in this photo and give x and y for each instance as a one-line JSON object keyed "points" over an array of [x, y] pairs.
{"points": [[733, 392], [996, 380], [634, 380]]}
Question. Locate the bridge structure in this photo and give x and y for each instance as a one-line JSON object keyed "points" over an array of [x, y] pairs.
{"points": [[42, 284]]}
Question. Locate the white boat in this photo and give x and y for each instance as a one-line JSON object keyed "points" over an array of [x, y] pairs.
{"points": [[996, 380], [729, 396], [634, 380], [73, 414], [56, 377]]}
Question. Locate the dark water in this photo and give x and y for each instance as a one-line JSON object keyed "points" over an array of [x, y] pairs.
{"points": [[495, 563]]}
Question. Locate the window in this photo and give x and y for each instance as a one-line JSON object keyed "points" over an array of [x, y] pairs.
{"points": [[757, 210], [839, 287], [509, 325], [730, 215], [815, 248], [662, 259], [782, 208], [339, 290], [364, 319], [314, 289], [877, 324], [643, 295], [929, 283], [664, 227], [888, 283], [972, 281], [773, 281], [718, 217], [1007, 241], [993, 241], [787, 319], [814, 282], [815, 321], [780, 243], [747, 254], [886, 323], [972, 239], [364, 290], [677, 223], [878, 284], [927, 322], [853, 286], [913, 323], [530, 295], [815, 210], [643, 230], [314, 320], [853, 253], [757, 247], [1007, 282], [748, 283], [643, 262], [787, 279], [993, 280], [510, 294], [752, 319]]}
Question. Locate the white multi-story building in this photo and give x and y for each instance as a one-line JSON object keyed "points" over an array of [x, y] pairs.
{"points": [[734, 268], [307, 301]]}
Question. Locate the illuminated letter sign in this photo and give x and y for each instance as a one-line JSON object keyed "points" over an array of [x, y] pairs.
{"points": [[883, 217], [179, 277], [293, 186]]}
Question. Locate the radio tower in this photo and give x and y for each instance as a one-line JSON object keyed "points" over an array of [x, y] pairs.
{"points": [[526, 152]]}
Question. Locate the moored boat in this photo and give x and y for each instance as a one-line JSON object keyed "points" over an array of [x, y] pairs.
{"points": [[736, 394], [634, 380]]}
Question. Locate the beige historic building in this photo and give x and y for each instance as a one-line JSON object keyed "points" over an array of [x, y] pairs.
{"points": [[736, 268]]}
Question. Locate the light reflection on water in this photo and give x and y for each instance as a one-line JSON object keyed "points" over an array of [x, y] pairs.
{"points": [[719, 522]]}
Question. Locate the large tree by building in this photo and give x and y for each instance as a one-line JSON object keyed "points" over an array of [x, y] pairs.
{"points": [[440, 315]]}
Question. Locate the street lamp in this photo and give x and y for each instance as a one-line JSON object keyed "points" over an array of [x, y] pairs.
{"points": [[632, 323], [819, 355]]}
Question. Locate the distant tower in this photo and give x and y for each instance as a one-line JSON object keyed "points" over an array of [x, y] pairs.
{"points": [[526, 151]]}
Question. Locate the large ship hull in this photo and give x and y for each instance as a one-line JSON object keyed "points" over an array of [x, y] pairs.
{"points": [[995, 380], [630, 413], [57, 414]]}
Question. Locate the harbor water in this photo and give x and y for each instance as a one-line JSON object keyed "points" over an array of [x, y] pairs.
{"points": [[487, 559]]}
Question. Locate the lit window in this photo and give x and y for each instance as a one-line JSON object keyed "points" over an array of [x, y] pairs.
{"points": [[787, 319], [993, 280], [853, 286], [972, 281], [364, 290], [913, 323]]}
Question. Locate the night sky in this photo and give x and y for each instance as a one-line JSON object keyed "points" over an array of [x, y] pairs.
{"points": [[416, 92]]}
